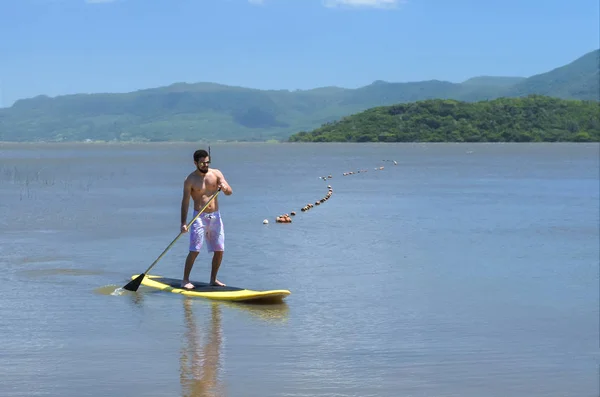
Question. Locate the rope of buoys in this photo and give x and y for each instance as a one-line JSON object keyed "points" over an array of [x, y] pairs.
{"points": [[308, 206], [286, 218]]}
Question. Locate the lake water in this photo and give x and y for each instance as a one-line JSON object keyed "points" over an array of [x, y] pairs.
{"points": [[464, 270]]}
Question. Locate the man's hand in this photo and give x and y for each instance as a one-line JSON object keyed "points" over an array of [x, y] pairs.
{"points": [[225, 190], [184, 229]]}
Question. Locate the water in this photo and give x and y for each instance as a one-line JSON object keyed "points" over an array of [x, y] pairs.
{"points": [[465, 270]]}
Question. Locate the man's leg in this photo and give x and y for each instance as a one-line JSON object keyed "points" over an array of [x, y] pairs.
{"points": [[216, 245], [216, 263], [189, 263], [196, 242]]}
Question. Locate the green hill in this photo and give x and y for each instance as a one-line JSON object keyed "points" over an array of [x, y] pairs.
{"points": [[525, 119], [208, 111]]}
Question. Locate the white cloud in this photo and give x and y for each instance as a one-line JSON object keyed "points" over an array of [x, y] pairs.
{"points": [[363, 3]]}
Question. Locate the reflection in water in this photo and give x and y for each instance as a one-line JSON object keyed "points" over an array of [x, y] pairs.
{"points": [[199, 364], [136, 299], [272, 313]]}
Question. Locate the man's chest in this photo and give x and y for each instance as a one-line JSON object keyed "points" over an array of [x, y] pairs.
{"points": [[208, 182]]}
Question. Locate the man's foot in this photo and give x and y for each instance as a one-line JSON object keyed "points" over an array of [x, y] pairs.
{"points": [[187, 285], [217, 283]]}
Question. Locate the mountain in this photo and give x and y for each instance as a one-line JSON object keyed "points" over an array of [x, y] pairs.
{"points": [[579, 79], [534, 118], [493, 81], [211, 112]]}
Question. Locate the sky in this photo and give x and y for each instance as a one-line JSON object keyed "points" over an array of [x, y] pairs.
{"points": [[58, 47]]}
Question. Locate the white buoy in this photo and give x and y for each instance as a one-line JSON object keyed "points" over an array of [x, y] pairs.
{"points": [[265, 222]]}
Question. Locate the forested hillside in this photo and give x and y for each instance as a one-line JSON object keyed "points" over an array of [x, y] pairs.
{"points": [[525, 119]]}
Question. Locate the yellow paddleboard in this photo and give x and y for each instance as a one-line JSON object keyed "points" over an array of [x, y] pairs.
{"points": [[204, 290]]}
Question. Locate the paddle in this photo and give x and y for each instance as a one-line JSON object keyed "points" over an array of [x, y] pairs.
{"points": [[134, 284]]}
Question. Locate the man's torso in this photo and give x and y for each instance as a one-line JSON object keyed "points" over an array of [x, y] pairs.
{"points": [[203, 187]]}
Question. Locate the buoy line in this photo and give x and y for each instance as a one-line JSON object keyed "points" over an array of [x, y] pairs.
{"points": [[287, 217]]}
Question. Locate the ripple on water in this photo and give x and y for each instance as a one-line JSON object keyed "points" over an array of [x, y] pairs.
{"points": [[38, 273], [112, 289]]}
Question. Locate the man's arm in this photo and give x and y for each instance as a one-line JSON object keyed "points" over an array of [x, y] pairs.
{"points": [[185, 200], [225, 188]]}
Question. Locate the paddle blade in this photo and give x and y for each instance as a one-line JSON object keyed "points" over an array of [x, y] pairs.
{"points": [[134, 284]]}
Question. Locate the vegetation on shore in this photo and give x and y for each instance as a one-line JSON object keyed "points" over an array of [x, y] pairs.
{"points": [[533, 118]]}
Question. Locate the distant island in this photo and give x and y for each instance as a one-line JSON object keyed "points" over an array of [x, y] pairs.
{"points": [[533, 118], [213, 112]]}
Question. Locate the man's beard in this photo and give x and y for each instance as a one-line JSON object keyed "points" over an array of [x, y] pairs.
{"points": [[204, 171]]}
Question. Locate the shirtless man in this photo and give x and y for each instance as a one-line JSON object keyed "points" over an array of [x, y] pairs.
{"points": [[200, 185]]}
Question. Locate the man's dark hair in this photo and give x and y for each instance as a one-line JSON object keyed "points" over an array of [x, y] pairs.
{"points": [[199, 154]]}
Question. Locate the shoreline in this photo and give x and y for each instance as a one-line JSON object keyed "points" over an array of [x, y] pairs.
{"points": [[14, 143]]}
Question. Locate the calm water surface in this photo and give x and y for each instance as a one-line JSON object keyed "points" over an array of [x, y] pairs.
{"points": [[465, 270]]}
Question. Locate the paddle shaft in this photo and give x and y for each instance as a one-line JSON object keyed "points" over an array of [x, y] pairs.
{"points": [[180, 233]]}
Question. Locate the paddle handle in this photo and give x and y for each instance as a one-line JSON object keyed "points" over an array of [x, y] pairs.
{"points": [[180, 233]]}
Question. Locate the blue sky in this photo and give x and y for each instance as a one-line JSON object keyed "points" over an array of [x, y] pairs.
{"points": [[56, 47]]}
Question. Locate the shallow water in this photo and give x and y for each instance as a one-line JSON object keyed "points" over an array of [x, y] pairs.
{"points": [[465, 270]]}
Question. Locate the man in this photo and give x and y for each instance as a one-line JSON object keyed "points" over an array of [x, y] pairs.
{"points": [[207, 229]]}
